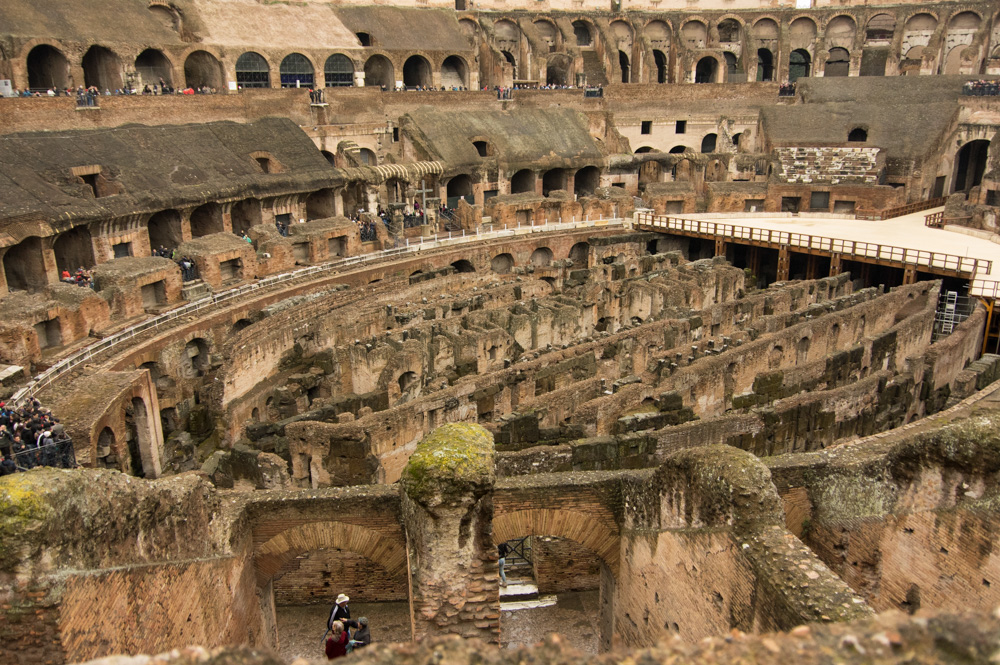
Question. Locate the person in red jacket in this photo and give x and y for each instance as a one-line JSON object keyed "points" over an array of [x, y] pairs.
{"points": [[336, 644]]}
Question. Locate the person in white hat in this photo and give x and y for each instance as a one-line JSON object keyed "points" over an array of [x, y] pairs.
{"points": [[341, 612]]}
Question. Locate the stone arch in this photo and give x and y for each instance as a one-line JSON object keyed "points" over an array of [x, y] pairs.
{"points": [[297, 71], [802, 350], [799, 65], [729, 31], [522, 182], [970, 165], [840, 31], [47, 68], [581, 527], [510, 60], [661, 63], [880, 28], [463, 265], [583, 33], [458, 187], [206, 219], [240, 324], [559, 69], [201, 68], [553, 179], [252, 71], [765, 65], [379, 72], [658, 33], [506, 30], [586, 181], [74, 249], [765, 28], [858, 134], [152, 65], [164, 229], [102, 68], [623, 64], [245, 215], [579, 254], [541, 257], [338, 71], [502, 263], [694, 34], [838, 62], [196, 359], [321, 205], [709, 143], [416, 72], [706, 70], [23, 265], [547, 31], [470, 28], [272, 555], [802, 33], [106, 441], [965, 20], [140, 439], [454, 72]]}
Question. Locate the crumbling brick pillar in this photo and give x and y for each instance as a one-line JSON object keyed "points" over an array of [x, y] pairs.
{"points": [[447, 500]]}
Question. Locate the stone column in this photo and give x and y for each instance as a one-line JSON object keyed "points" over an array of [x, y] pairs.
{"points": [[447, 500]]}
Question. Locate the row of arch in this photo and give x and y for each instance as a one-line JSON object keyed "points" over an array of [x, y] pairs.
{"points": [[48, 67]]}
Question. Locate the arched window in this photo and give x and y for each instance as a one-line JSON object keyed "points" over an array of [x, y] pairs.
{"points": [[708, 143], [705, 70], [858, 134], [338, 71], [660, 61], [765, 65], [252, 71], [296, 71], [838, 63], [798, 65]]}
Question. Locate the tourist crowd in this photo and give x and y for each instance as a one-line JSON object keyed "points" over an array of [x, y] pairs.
{"points": [[82, 277], [31, 436], [786, 90], [981, 88]]}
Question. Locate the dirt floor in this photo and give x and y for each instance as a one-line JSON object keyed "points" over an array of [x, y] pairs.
{"points": [[301, 627]]}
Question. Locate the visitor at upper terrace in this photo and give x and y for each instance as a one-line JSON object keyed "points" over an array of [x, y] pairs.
{"points": [[981, 88], [31, 436]]}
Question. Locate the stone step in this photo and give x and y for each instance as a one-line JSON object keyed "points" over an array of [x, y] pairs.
{"points": [[518, 590], [594, 68], [514, 605], [196, 289]]}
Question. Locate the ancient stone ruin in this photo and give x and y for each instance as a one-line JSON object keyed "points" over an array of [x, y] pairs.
{"points": [[691, 309]]}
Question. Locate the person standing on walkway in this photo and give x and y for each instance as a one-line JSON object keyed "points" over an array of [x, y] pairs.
{"points": [[502, 550]]}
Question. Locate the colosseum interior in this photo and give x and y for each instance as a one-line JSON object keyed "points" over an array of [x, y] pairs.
{"points": [[691, 304]]}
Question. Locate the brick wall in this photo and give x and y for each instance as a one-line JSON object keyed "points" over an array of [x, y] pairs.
{"points": [[563, 565], [317, 577], [832, 165]]}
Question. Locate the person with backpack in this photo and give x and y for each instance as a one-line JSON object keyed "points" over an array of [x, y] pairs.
{"points": [[502, 550]]}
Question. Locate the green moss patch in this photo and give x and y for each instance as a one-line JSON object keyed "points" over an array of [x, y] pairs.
{"points": [[452, 460]]}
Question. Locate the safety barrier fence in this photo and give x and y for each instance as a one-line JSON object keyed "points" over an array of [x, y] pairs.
{"points": [[846, 249], [228, 297]]}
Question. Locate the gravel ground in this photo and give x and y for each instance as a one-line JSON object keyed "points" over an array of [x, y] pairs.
{"points": [[301, 627]]}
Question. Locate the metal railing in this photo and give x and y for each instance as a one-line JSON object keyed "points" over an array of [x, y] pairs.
{"points": [[223, 298], [59, 453], [848, 249]]}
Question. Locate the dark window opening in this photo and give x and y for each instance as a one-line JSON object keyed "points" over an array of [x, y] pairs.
{"points": [[680, 127], [364, 38], [481, 147], [819, 201], [858, 134], [91, 181], [647, 127], [122, 249]]}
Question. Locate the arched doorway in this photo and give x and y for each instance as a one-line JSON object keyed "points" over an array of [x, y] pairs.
{"points": [[510, 60], [379, 73], [765, 65], [586, 181], [705, 70], [502, 263], [296, 71], [47, 68], [252, 71], [660, 62], [139, 438], [798, 65], [553, 180], [23, 265], [708, 143], [338, 71], [541, 257], [74, 249], [201, 68], [245, 215], [102, 68], [624, 65], [970, 164], [321, 205], [463, 265], [581, 32], [459, 187], [416, 72], [164, 230], [152, 67], [558, 70], [196, 360], [734, 73], [206, 219], [523, 181], [838, 63], [579, 254], [454, 72]]}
